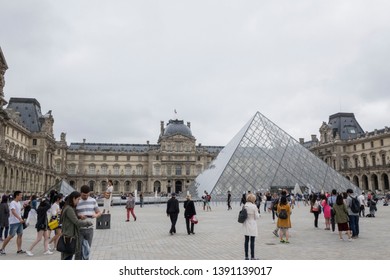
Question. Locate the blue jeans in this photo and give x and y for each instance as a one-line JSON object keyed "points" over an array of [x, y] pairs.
{"points": [[252, 245], [86, 234], [354, 224], [15, 229]]}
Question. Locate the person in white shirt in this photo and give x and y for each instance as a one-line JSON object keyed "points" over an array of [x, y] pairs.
{"points": [[55, 212], [86, 209], [15, 224], [108, 197], [363, 204]]}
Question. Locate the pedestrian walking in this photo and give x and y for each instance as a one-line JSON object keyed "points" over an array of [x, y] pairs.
{"points": [[42, 229], [189, 212], [250, 226], [130, 204], [173, 211], [229, 200], [341, 217], [284, 221]]}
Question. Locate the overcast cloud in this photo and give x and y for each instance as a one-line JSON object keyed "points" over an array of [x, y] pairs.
{"points": [[112, 70]]}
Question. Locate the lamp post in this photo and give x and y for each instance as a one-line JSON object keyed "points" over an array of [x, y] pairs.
{"points": [[23, 186]]}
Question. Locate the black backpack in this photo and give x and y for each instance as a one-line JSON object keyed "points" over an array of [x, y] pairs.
{"points": [[242, 215], [355, 205], [283, 214]]}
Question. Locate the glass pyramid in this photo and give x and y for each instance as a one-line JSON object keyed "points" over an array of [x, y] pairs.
{"points": [[264, 157]]}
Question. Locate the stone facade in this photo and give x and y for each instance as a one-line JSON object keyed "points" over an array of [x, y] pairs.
{"points": [[362, 157], [28, 149], [171, 165]]}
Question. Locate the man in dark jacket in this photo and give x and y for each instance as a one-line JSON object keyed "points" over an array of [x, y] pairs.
{"points": [[173, 212]]}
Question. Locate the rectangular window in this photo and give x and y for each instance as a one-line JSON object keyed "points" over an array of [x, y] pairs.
{"points": [[104, 170], [373, 161], [344, 149], [116, 170], [383, 159], [92, 170], [354, 147], [72, 169], [362, 146], [356, 163], [188, 170], [35, 142], [372, 144], [58, 166], [157, 170], [139, 170], [178, 170], [116, 158], [382, 142], [128, 170], [157, 158], [128, 158], [364, 162]]}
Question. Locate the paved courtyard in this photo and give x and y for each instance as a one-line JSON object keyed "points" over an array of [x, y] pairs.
{"points": [[218, 237]]}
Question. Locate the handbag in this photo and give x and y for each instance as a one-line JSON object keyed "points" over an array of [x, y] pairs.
{"points": [[66, 244], [194, 220], [53, 224], [107, 195]]}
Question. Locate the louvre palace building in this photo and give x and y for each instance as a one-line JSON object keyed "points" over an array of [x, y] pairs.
{"points": [[33, 160], [362, 157]]}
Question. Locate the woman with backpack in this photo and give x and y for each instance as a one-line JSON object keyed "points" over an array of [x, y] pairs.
{"points": [[284, 222], [315, 208]]}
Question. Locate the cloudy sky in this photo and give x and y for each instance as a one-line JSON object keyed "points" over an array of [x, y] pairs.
{"points": [[112, 70]]}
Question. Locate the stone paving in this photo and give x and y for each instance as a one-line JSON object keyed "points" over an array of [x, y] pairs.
{"points": [[218, 237]]}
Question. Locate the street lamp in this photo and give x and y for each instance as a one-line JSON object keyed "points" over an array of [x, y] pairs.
{"points": [[23, 185]]}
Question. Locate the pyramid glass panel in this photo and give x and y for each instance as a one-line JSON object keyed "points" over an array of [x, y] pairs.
{"points": [[264, 157]]}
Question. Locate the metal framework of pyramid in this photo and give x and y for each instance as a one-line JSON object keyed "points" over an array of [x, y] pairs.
{"points": [[264, 157]]}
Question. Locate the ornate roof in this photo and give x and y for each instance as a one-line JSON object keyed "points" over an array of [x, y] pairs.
{"points": [[175, 127]]}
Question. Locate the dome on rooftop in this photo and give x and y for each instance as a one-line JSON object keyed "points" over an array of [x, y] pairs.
{"points": [[177, 127]]}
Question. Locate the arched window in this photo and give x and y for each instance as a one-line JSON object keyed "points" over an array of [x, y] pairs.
{"points": [[127, 186], [139, 186]]}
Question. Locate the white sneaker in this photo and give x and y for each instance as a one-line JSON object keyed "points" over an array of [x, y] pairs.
{"points": [[48, 252], [51, 246], [29, 253]]}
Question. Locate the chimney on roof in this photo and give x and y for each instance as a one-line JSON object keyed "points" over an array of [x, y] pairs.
{"points": [[147, 142], [314, 138], [301, 141], [162, 127], [189, 124]]}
